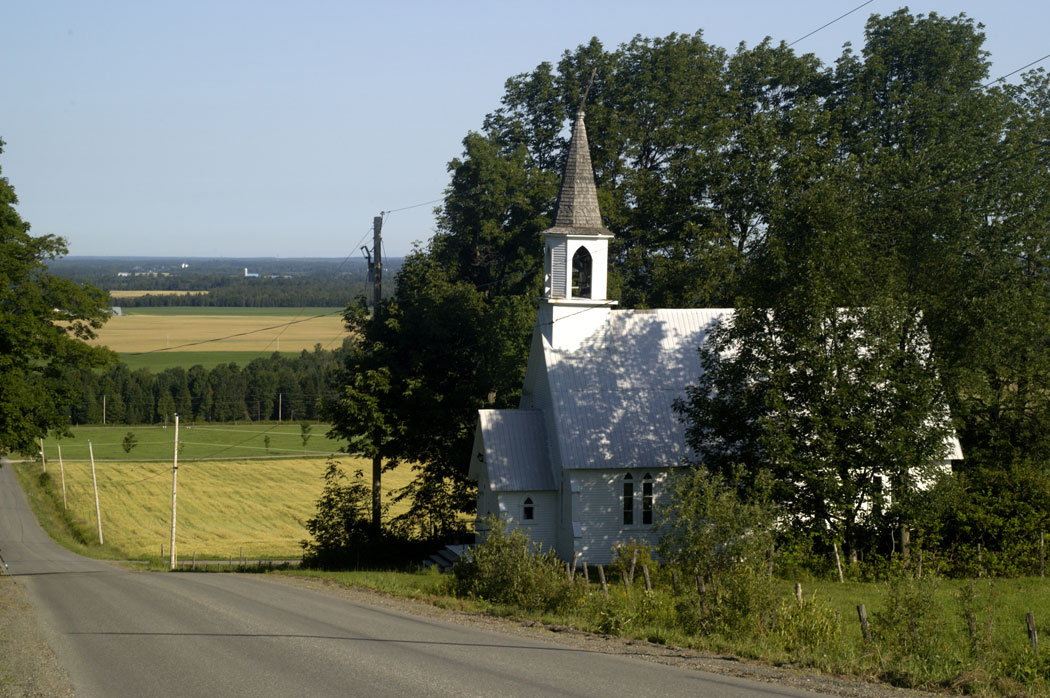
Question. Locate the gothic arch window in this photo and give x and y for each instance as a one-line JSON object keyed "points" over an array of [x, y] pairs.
{"points": [[581, 273], [628, 500], [528, 510], [647, 500]]}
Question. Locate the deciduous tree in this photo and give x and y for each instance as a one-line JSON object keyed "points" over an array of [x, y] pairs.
{"points": [[44, 322]]}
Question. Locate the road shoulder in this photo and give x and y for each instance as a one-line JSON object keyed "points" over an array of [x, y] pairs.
{"points": [[28, 668], [661, 654]]}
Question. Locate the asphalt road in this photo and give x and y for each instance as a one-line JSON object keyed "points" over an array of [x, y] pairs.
{"points": [[138, 634]]}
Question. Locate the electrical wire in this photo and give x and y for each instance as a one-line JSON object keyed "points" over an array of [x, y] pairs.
{"points": [[825, 26], [1014, 72], [425, 203]]}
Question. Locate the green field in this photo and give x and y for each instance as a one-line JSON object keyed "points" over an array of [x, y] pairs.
{"points": [[162, 360], [199, 442], [209, 310]]}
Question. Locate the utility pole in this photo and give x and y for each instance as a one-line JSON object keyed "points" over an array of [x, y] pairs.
{"points": [[174, 482], [375, 272], [94, 484], [62, 471], [43, 459], [103, 409]]}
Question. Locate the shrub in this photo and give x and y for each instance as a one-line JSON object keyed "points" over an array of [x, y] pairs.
{"points": [[806, 628], [509, 569], [340, 529]]}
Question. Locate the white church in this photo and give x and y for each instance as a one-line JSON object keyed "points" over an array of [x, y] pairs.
{"points": [[580, 466]]}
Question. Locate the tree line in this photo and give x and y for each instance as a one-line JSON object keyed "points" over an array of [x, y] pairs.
{"points": [[266, 389], [257, 293], [899, 178]]}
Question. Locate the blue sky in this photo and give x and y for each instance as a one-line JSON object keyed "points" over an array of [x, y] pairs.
{"points": [[230, 128]]}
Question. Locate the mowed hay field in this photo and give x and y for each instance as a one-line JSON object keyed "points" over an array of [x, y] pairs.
{"points": [[218, 329], [139, 294], [257, 508], [253, 500]]}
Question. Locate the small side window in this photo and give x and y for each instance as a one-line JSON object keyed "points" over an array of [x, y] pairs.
{"points": [[628, 500], [528, 510], [647, 500]]}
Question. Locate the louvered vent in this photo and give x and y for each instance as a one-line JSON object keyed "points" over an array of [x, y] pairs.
{"points": [[558, 269]]}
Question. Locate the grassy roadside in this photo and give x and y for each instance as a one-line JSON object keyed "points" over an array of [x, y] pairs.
{"points": [[953, 636]]}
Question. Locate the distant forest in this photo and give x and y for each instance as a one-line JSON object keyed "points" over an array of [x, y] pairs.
{"points": [[274, 283], [268, 388]]}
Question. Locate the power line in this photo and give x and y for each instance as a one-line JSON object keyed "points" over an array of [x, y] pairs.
{"points": [[830, 23], [1014, 72], [425, 203]]}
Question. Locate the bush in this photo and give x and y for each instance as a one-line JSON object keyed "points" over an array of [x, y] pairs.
{"points": [[807, 628], [509, 569], [341, 527]]}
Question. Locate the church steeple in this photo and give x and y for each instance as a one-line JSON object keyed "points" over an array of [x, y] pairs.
{"points": [[578, 200], [577, 246]]}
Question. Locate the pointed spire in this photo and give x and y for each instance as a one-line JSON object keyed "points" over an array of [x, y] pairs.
{"points": [[578, 201]]}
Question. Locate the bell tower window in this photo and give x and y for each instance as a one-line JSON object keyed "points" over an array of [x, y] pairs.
{"points": [[581, 273]]}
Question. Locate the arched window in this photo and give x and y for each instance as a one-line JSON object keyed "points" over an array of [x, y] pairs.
{"points": [[647, 500], [628, 500], [581, 273], [528, 510]]}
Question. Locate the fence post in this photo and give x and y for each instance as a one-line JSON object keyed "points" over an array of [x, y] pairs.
{"points": [[862, 613], [601, 578], [586, 573], [1032, 636], [838, 561], [634, 561], [798, 592], [674, 582], [648, 584]]}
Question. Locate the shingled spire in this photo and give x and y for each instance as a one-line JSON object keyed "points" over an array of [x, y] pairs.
{"points": [[578, 210]]}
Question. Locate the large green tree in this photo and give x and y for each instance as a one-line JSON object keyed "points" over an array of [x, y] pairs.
{"points": [[894, 179], [43, 324]]}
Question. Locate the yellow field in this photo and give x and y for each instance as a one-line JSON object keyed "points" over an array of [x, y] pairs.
{"points": [[139, 333], [139, 294], [224, 508]]}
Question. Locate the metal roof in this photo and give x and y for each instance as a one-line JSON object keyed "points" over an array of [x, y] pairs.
{"points": [[613, 397], [516, 451]]}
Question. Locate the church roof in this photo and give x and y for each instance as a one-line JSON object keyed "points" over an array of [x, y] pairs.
{"points": [[612, 397], [578, 211], [516, 451]]}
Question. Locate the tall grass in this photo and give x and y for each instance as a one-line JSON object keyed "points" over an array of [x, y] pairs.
{"points": [[225, 508]]}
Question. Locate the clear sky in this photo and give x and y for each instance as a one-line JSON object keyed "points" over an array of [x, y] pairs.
{"points": [[231, 128]]}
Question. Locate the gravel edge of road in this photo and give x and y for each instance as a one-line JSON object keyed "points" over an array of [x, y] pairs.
{"points": [[660, 654], [28, 667]]}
